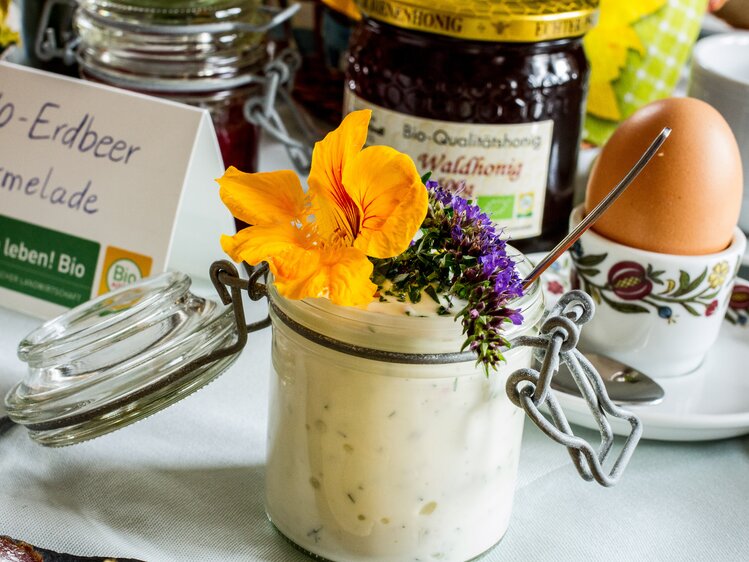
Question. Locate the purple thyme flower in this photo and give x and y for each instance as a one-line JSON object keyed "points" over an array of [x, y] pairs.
{"points": [[440, 194], [462, 254], [489, 287], [516, 318]]}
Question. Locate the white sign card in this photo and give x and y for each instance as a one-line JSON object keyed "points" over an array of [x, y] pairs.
{"points": [[98, 188]]}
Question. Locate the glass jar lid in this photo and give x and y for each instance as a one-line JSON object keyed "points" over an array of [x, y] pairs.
{"points": [[167, 46], [119, 358], [501, 21]]}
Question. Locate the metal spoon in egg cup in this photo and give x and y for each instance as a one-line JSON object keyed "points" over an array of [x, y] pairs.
{"points": [[624, 384], [598, 210]]}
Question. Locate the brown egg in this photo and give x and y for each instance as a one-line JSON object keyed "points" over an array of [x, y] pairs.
{"points": [[687, 200]]}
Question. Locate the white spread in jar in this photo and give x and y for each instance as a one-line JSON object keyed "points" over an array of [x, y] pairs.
{"points": [[379, 461]]}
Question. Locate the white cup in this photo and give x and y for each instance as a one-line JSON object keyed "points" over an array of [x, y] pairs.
{"points": [[659, 313], [720, 77]]}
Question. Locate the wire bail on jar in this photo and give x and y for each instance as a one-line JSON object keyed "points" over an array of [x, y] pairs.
{"points": [[46, 46], [529, 390], [262, 110]]}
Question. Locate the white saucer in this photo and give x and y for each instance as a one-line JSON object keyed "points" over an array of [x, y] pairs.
{"points": [[710, 403]]}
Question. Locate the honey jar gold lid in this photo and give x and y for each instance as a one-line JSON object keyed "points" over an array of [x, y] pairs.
{"points": [[499, 21]]}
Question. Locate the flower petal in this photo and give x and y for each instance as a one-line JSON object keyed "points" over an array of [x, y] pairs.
{"points": [[266, 242], [340, 274], [335, 210], [263, 198], [384, 183]]}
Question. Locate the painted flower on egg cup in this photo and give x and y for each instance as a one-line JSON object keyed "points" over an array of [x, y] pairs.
{"points": [[658, 312]]}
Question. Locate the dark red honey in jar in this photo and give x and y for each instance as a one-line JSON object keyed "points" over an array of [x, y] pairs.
{"points": [[488, 96]]}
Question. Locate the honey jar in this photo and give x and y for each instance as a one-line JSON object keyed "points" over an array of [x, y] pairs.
{"points": [[488, 96]]}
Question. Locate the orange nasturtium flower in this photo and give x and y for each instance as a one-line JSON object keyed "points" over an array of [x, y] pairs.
{"points": [[360, 203]]}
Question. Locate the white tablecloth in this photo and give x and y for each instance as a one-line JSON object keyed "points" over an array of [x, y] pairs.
{"points": [[187, 484]]}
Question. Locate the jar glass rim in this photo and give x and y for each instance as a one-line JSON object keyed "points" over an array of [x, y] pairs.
{"points": [[106, 313], [393, 333], [174, 11]]}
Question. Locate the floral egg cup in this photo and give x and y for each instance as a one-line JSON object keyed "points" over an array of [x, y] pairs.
{"points": [[660, 313]]}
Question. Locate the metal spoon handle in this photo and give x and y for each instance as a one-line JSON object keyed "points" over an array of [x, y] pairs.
{"points": [[599, 209]]}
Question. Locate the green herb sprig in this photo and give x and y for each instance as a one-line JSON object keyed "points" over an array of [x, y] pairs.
{"points": [[460, 255]]}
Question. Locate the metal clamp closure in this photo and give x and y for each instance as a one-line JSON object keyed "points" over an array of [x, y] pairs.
{"points": [[46, 45], [278, 78], [223, 275], [529, 389]]}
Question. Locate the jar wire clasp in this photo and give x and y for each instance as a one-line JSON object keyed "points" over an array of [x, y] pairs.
{"points": [[278, 78], [229, 286], [529, 389], [46, 43]]}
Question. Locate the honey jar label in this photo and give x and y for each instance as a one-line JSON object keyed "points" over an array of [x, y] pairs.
{"points": [[503, 168]]}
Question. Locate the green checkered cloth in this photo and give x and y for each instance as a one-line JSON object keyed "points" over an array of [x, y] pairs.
{"points": [[667, 37]]}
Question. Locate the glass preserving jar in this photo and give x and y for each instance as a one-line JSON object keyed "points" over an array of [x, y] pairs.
{"points": [[201, 53], [488, 96], [119, 358], [385, 443]]}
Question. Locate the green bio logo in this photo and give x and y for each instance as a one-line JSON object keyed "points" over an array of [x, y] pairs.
{"points": [[122, 272], [498, 207]]}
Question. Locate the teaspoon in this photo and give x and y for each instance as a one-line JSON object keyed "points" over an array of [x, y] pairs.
{"points": [[624, 384]]}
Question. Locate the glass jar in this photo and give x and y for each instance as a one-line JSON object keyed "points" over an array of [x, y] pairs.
{"points": [[119, 358], [385, 443], [200, 53], [491, 94]]}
